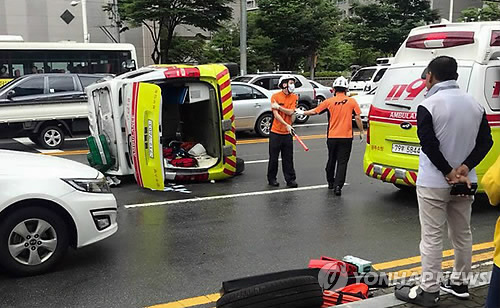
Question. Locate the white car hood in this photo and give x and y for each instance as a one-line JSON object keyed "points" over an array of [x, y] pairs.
{"points": [[37, 165], [364, 98]]}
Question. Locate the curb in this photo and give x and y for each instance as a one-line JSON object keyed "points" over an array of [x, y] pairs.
{"points": [[389, 300]]}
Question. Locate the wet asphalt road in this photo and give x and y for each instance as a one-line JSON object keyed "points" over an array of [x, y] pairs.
{"points": [[174, 251]]}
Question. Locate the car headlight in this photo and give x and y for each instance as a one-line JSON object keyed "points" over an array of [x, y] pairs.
{"points": [[89, 185]]}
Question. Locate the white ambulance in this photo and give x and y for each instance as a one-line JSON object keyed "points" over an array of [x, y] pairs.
{"points": [[392, 143]]}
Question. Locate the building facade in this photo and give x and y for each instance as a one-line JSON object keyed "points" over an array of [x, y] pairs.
{"points": [[41, 21], [443, 7]]}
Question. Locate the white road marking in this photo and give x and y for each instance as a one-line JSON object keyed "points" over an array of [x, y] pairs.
{"points": [[43, 151], [258, 161], [231, 196], [310, 125], [25, 141]]}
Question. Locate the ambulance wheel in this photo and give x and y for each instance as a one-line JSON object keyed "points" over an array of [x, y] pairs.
{"points": [[51, 137], [405, 188], [297, 292], [301, 119], [240, 166], [33, 239], [263, 125]]}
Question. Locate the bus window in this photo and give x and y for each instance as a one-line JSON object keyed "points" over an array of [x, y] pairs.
{"points": [[18, 70]]}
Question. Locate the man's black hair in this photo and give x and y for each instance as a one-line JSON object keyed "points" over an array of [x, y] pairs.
{"points": [[443, 68], [340, 89]]}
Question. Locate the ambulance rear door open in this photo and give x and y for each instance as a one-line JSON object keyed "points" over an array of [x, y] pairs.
{"points": [[106, 118], [142, 111]]}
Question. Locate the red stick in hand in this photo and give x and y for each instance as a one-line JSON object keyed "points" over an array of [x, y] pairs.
{"points": [[300, 141]]}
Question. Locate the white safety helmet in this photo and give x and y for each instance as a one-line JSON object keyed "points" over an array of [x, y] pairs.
{"points": [[341, 82], [284, 78]]}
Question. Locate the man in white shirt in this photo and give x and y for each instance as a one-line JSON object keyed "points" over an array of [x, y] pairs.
{"points": [[455, 137]]}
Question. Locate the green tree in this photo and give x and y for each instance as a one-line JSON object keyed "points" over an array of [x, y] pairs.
{"points": [[296, 28], [490, 12], [384, 25], [160, 16], [185, 50], [336, 55]]}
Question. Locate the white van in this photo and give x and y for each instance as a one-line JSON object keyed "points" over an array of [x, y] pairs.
{"points": [[366, 79], [392, 143]]}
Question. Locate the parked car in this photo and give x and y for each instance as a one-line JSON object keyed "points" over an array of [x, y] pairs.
{"points": [[45, 107], [365, 101], [46, 205], [322, 92], [252, 108], [366, 79], [269, 81]]}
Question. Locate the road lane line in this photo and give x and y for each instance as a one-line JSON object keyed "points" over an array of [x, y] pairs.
{"points": [[249, 141], [258, 161], [67, 153], [231, 196], [310, 125], [201, 300], [414, 260], [445, 265]]}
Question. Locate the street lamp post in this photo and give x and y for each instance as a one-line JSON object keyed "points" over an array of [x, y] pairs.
{"points": [[243, 38], [451, 10], [86, 37]]}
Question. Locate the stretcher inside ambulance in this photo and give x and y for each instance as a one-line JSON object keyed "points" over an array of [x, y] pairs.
{"points": [[164, 123], [393, 147]]}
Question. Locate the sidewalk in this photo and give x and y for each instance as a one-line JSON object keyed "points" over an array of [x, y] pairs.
{"points": [[385, 297]]}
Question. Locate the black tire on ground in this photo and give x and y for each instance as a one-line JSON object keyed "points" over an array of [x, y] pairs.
{"points": [[240, 166], [405, 188], [320, 98], [297, 292], [51, 137], [302, 119], [263, 124], [31, 215]]}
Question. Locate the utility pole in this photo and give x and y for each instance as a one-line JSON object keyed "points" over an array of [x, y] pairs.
{"points": [[243, 37], [86, 38], [451, 10], [117, 20]]}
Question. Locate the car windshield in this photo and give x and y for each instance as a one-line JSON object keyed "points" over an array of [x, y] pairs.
{"points": [[243, 79], [364, 75]]}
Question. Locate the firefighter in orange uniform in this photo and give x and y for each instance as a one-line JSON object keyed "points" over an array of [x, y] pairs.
{"points": [[340, 110], [280, 139]]}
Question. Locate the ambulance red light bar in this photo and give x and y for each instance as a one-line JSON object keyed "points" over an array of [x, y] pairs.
{"points": [[495, 38], [188, 72], [436, 40]]}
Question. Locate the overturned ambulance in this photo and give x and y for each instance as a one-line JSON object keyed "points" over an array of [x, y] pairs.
{"points": [[164, 123]]}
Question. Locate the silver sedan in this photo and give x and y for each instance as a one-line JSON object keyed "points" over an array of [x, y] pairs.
{"points": [[322, 92], [252, 108]]}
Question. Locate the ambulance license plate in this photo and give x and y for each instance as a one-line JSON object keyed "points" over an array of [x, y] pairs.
{"points": [[406, 149]]}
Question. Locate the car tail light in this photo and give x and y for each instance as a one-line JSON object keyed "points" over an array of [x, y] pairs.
{"points": [[368, 126], [314, 93], [188, 72], [331, 90], [440, 40], [495, 38]]}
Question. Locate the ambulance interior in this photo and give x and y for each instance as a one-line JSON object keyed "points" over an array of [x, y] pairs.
{"points": [[190, 126]]}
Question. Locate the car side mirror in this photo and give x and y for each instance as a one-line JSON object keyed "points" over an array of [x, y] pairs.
{"points": [[11, 94]]}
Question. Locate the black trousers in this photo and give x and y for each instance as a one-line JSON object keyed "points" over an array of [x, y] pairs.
{"points": [[339, 152], [280, 144]]}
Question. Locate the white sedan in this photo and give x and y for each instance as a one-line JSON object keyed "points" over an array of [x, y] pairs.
{"points": [[252, 108], [48, 204]]}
